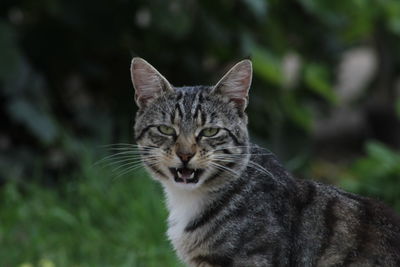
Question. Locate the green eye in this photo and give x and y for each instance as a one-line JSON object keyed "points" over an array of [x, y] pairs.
{"points": [[209, 132], [166, 130]]}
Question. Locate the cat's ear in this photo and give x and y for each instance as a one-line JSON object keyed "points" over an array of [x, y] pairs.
{"points": [[235, 84], [147, 81]]}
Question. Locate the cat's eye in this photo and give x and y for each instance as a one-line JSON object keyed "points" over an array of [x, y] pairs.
{"points": [[209, 132], [166, 130]]}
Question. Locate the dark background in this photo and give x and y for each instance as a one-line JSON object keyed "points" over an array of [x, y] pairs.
{"points": [[325, 98]]}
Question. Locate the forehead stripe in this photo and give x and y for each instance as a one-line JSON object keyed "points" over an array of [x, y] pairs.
{"points": [[203, 118], [178, 108], [235, 140], [179, 96], [195, 105], [196, 112], [181, 106], [201, 98]]}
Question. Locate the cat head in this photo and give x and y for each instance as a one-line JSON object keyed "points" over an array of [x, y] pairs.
{"points": [[192, 137]]}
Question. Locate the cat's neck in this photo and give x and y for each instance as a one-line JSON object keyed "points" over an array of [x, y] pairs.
{"points": [[184, 204]]}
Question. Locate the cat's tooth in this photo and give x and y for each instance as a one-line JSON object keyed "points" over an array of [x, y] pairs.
{"points": [[192, 176], [179, 174]]}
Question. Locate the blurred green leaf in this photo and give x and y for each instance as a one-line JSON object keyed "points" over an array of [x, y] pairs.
{"points": [[267, 66], [377, 174], [316, 77], [351, 20], [392, 12], [300, 114], [63, 215], [383, 154]]}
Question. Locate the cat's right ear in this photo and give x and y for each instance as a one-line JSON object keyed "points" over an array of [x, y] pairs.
{"points": [[236, 84], [147, 81]]}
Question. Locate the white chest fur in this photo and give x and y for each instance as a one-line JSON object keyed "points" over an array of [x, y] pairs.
{"points": [[183, 206]]}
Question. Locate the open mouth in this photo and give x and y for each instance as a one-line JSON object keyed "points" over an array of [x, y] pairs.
{"points": [[186, 175]]}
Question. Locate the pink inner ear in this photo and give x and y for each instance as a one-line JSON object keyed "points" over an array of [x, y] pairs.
{"points": [[238, 100], [236, 82], [143, 99], [240, 87], [147, 81]]}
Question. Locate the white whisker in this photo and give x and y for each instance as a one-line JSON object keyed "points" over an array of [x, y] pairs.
{"points": [[221, 167], [132, 162]]}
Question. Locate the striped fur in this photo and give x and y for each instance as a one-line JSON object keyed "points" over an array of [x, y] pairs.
{"points": [[248, 210]]}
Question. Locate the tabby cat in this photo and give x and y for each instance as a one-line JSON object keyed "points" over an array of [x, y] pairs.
{"points": [[230, 202]]}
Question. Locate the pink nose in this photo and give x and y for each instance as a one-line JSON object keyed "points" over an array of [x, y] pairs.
{"points": [[185, 157]]}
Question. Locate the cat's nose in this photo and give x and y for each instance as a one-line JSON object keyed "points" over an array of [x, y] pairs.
{"points": [[185, 157], [185, 151]]}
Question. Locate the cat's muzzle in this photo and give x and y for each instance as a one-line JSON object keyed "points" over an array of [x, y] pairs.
{"points": [[186, 175]]}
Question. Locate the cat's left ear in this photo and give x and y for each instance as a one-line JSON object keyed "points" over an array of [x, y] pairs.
{"points": [[148, 82], [235, 84]]}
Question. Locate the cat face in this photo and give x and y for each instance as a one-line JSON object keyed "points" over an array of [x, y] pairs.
{"points": [[192, 137]]}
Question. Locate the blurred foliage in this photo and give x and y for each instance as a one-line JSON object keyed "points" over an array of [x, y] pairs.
{"points": [[376, 175], [65, 86], [92, 221]]}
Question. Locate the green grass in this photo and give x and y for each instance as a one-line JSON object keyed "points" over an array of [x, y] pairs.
{"points": [[93, 220]]}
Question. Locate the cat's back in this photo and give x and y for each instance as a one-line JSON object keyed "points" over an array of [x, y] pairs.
{"points": [[332, 227]]}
